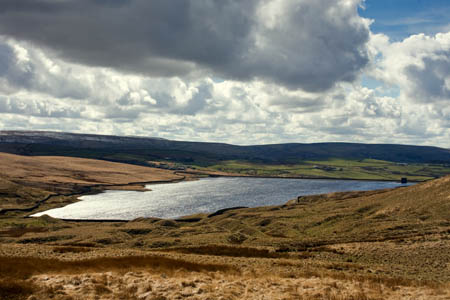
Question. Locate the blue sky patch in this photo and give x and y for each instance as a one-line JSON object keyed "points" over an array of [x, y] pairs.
{"points": [[401, 18]]}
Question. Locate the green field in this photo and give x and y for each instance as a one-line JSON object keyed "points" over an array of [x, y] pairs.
{"points": [[336, 168]]}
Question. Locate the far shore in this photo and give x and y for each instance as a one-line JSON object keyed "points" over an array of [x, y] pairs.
{"points": [[212, 174]]}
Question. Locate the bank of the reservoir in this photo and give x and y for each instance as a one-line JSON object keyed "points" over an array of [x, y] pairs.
{"points": [[203, 196]]}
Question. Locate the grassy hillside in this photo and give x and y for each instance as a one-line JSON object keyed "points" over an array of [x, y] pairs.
{"points": [[377, 229], [16, 195], [388, 244], [27, 179], [320, 160], [336, 168], [143, 149]]}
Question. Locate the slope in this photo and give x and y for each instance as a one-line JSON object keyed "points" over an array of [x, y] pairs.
{"points": [[139, 149]]}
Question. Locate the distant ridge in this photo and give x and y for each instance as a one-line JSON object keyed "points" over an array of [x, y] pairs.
{"points": [[141, 149], [10, 135]]}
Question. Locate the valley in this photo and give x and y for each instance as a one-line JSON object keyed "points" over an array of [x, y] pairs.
{"points": [[382, 244]]}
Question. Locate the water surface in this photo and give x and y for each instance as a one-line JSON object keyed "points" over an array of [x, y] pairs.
{"points": [[205, 195]]}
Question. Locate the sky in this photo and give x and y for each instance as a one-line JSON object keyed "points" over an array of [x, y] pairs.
{"points": [[232, 71]]}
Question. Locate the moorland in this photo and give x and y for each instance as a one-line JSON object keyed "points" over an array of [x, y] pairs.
{"points": [[319, 160], [385, 244]]}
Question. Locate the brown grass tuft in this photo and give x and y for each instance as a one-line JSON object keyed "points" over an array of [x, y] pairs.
{"points": [[19, 231], [24, 267], [222, 250], [71, 249], [16, 289]]}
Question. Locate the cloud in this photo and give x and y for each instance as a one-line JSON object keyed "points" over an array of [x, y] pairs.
{"points": [[419, 65], [431, 81], [300, 44], [30, 106], [204, 109], [289, 72], [28, 69]]}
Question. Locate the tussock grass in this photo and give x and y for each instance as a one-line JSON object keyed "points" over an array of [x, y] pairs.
{"points": [[359, 295], [24, 267], [46, 239], [13, 289], [82, 244], [223, 250], [377, 280], [19, 231], [71, 249], [137, 231], [346, 272]]}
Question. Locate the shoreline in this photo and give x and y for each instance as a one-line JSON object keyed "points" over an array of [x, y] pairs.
{"points": [[103, 187], [181, 218], [89, 191], [299, 177]]}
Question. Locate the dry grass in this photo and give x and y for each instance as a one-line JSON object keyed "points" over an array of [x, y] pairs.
{"points": [[71, 249], [57, 169], [374, 234], [389, 282], [13, 289], [202, 286], [19, 231], [231, 251], [385, 240], [13, 194], [27, 179], [24, 267]]}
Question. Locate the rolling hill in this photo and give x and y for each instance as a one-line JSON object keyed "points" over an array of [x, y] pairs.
{"points": [[138, 150]]}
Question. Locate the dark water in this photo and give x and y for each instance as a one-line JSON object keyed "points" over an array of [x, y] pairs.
{"points": [[205, 195]]}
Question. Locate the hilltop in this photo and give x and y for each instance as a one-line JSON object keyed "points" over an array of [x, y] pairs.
{"points": [[320, 160], [141, 148]]}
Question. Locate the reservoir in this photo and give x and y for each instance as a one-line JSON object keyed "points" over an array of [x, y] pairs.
{"points": [[203, 196]]}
